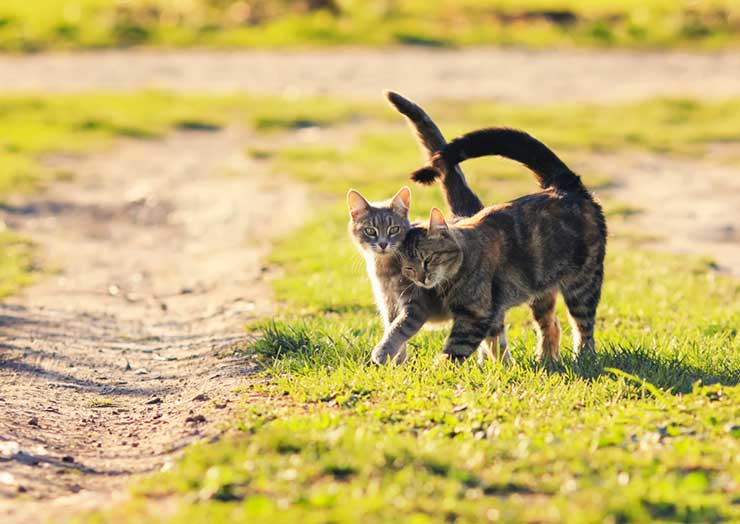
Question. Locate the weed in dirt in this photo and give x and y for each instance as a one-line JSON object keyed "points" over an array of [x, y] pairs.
{"points": [[18, 266], [103, 403]]}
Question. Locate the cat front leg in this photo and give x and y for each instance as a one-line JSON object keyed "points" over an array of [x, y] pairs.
{"points": [[466, 336], [393, 344]]}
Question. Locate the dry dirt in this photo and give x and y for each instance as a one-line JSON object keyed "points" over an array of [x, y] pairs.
{"points": [[514, 74], [682, 205], [125, 354]]}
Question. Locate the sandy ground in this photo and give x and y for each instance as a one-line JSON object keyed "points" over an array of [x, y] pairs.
{"points": [[514, 75], [686, 206], [125, 354]]}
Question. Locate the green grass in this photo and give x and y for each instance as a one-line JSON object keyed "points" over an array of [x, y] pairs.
{"points": [[18, 267], [677, 126], [646, 432], [35, 126], [65, 24]]}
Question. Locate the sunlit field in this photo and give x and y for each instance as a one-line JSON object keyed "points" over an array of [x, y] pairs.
{"points": [[60, 24], [645, 432]]}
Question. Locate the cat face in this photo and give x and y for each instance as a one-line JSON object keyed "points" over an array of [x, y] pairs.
{"points": [[430, 255], [379, 229]]}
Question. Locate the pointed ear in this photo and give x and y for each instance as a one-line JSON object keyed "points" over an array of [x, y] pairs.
{"points": [[401, 201], [437, 222], [356, 203]]}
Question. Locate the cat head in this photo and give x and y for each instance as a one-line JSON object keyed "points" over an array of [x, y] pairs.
{"points": [[431, 255], [378, 229]]}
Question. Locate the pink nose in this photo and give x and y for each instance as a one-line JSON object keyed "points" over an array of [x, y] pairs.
{"points": [[383, 245]]}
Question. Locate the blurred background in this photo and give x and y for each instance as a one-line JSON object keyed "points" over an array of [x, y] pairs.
{"points": [[73, 24]]}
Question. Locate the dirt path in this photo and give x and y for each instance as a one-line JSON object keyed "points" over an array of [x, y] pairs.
{"points": [[686, 206], [514, 75], [124, 355]]}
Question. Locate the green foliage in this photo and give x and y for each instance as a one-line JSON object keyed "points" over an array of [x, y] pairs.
{"points": [[17, 265], [45, 24]]}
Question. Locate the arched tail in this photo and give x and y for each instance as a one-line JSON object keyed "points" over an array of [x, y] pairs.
{"points": [[551, 172]]}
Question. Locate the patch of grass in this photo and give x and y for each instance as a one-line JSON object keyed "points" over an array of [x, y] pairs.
{"points": [[37, 125], [677, 126], [18, 267], [645, 432], [671, 125], [60, 24]]}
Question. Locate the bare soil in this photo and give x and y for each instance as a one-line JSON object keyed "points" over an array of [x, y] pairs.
{"points": [[682, 205], [125, 354], [508, 74]]}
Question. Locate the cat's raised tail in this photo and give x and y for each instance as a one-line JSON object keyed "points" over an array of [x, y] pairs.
{"points": [[551, 172], [427, 132], [459, 197]]}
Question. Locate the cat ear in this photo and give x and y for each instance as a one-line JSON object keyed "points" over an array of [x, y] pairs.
{"points": [[401, 201], [356, 203], [437, 223]]}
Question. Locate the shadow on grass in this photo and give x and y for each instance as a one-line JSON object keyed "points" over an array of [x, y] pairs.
{"points": [[669, 373], [314, 347]]}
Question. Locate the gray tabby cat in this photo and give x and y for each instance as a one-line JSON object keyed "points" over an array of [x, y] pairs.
{"points": [[379, 230]]}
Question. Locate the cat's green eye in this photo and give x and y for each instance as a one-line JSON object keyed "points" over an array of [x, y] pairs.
{"points": [[371, 231], [393, 230]]}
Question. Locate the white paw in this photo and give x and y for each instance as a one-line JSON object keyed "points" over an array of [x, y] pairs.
{"points": [[380, 355]]}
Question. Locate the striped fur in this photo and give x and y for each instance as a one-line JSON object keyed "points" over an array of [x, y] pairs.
{"points": [[403, 306], [523, 251]]}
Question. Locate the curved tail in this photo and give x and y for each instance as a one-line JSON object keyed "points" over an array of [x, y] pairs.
{"points": [[459, 197], [551, 172]]}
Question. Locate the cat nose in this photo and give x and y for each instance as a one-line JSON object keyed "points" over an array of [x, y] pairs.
{"points": [[383, 245]]}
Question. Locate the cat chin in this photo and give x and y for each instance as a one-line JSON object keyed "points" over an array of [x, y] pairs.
{"points": [[379, 253]]}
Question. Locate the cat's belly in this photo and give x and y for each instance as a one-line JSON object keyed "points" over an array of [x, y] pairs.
{"points": [[438, 318]]}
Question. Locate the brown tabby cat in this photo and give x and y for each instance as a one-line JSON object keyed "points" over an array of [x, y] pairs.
{"points": [[378, 230], [524, 250]]}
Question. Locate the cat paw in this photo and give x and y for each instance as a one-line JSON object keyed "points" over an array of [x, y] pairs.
{"points": [[446, 359], [380, 355], [400, 357], [383, 353]]}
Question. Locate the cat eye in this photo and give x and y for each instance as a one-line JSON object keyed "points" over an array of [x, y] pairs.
{"points": [[371, 231], [393, 230]]}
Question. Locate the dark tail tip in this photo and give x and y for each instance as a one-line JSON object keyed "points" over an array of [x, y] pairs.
{"points": [[399, 103], [426, 175]]}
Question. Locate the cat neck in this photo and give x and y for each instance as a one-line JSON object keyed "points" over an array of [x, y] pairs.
{"points": [[381, 265], [470, 257]]}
